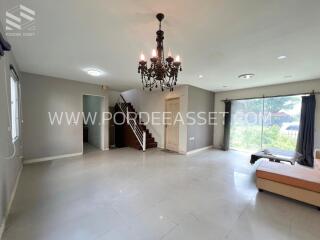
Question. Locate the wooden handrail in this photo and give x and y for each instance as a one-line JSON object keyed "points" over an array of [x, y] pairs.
{"points": [[123, 99]]}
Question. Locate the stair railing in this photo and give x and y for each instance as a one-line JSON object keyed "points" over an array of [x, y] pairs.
{"points": [[132, 122]]}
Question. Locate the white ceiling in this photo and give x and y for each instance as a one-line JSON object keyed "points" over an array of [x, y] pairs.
{"points": [[219, 39]]}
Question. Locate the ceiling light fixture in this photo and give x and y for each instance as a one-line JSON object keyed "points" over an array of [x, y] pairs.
{"points": [[162, 73], [200, 76], [246, 76], [282, 57], [94, 72]]}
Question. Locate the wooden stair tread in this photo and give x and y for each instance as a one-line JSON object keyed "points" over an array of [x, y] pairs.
{"points": [[150, 141]]}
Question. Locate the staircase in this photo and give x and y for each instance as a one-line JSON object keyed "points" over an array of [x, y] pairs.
{"points": [[138, 135]]}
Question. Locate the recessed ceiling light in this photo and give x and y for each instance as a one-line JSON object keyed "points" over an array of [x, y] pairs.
{"points": [[246, 76], [94, 72], [200, 76], [282, 57]]}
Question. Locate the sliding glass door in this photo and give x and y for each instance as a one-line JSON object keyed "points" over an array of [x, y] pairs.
{"points": [[265, 122], [281, 122], [246, 124]]}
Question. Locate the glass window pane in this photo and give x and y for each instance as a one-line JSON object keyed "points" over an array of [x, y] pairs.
{"points": [[14, 90], [246, 125], [281, 122], [17, 109]]}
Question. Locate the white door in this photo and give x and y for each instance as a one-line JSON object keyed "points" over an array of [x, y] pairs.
{"points": [[172, 126]]}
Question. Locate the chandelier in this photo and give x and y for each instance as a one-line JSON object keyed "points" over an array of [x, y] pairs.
{"points": [[162, 73]]}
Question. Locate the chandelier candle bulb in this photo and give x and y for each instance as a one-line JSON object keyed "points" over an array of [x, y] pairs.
{"points": [[142, 57], [169, 53], [154, 56], [177, 58], [154, 53]]}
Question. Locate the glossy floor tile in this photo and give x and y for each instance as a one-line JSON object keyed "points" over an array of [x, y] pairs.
{"points": [[127, 194]]}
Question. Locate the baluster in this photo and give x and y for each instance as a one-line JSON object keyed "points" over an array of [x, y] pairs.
{"points": [[144, 141]]}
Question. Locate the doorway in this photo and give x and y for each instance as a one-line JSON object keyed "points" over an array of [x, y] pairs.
{"points": [[93, 131], [172, 107], [112, 130]]}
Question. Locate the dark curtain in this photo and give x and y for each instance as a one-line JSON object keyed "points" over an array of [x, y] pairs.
{"points": [[305, 143], [227, 124], [4, 45]]}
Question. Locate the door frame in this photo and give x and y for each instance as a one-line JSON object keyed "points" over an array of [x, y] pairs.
{"points": [[165, 128], [102, 126]]}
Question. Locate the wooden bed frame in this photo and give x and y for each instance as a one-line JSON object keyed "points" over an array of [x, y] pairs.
{"points": [[306, 196], [297, 193]]}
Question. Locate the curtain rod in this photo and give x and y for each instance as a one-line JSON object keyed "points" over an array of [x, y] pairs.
{"points": [[263, 96]]}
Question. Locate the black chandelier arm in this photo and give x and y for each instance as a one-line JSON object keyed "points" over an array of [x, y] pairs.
{"points": [[149, 83]]}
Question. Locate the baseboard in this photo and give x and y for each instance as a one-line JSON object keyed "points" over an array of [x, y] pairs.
{"points": [[36, 160], [182, 152], [218, 147], [199, 150], [13, 193]]}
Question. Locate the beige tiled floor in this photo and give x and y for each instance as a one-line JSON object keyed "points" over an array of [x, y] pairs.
{"points": [[127, 194]]}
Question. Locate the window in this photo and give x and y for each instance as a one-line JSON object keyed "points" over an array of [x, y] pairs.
{"points": [[246, 124], [15, 112], [265, 122], [281, 123]]}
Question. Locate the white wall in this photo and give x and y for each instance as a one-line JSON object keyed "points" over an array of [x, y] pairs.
{"points": [[281, 89], [113, 97], [42, 94], [146, 101], [9, 167]]}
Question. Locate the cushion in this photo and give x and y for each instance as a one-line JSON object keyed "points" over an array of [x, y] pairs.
{"points": [[317, 159], [317, 154], [296, 176]]}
